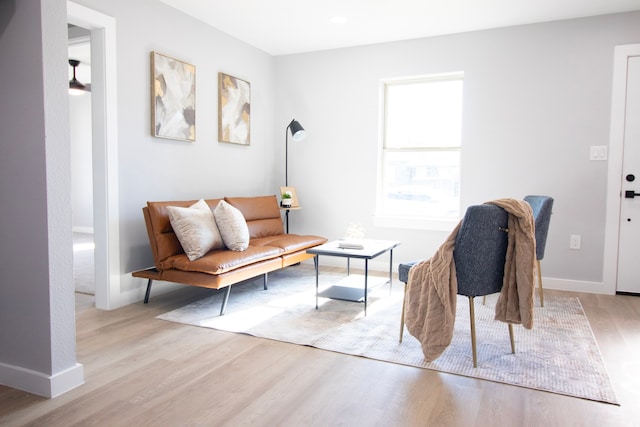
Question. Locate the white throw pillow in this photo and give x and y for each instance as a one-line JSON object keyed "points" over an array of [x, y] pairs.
{"points": [[196, 229], [232, 225]]}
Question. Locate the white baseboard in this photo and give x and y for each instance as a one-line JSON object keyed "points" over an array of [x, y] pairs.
{"points": [[547, 282], [78, 229], [49, 386], [137, 287], [575, 286]]}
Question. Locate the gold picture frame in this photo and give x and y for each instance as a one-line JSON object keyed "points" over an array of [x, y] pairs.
{"points": [[234, 110], [173, 98]]}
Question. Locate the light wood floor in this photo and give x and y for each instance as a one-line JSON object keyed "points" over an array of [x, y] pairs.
{"points": [[140, 371]]}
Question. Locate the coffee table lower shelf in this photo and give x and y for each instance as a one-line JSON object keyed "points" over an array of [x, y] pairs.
{"points": [[351, 288]]}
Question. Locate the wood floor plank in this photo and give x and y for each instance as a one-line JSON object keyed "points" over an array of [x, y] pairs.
{"points": [[147, 372]]}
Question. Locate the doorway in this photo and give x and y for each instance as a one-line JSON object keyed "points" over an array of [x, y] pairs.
{"points": [[105, 150], [81, 163]]}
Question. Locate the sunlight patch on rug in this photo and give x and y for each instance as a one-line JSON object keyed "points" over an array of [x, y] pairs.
{"points": [[559, 355]]}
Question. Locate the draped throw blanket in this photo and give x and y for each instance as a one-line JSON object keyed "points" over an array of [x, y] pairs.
{"points": [[432, 286], [515, 303], [431, 299]]}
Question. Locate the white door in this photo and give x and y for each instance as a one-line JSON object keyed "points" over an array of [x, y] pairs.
{"points": [[629, 233]]}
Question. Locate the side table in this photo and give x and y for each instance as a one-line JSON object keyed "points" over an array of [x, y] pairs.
{"points": [[286, 215], [370, 250]]}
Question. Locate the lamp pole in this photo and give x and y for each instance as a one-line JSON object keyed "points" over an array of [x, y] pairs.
{"points": [[297, 133], [286, 155]]}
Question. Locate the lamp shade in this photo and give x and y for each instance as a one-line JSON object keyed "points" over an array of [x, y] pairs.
{"points": [[297, 131]]}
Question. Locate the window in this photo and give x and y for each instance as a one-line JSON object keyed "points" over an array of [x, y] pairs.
{"points": [[420, 157]]}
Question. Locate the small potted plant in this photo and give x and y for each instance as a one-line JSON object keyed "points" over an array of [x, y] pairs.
{"points": [[287, 199]]}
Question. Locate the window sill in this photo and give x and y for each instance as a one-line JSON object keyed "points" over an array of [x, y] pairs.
{"points": [[433, 224]]}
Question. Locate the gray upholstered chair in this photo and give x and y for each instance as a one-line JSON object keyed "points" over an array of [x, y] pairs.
{"points": [[479, 256], [541, 206]]}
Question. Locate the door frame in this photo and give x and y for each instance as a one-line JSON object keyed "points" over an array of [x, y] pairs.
{"points": [[104, 117], [616, 155]]}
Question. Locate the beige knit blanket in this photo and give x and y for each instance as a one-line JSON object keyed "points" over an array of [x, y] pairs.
{"points": [[432, 286]]}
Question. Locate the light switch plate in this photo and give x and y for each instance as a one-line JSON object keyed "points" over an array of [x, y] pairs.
{"points": [[575, 241], [598, 152]]}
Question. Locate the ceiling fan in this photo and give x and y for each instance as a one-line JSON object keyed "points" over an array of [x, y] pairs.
{"points": [[75, 86]]}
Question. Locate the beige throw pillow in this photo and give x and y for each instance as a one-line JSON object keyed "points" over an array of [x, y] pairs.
{"points": [[232, 225], [196, 229]]}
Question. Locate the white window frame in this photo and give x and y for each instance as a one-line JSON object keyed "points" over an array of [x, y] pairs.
{"points": [[409, 221]]}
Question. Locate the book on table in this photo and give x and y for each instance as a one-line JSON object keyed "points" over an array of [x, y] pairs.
{"points": [[350, 244]]}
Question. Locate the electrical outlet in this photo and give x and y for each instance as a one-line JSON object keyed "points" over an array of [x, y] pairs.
{"points": [[575, 241]]}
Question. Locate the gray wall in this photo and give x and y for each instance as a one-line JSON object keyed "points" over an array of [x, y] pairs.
{"points": [[37, 322], [536, 98]]}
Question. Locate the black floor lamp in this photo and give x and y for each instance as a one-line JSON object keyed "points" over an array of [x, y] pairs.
{"points": [[297, 133]]}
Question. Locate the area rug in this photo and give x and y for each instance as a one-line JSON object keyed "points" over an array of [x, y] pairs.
{"points": [[559, 355]]}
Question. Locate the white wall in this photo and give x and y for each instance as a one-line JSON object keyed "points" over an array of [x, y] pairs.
{"points": [[162, 169], [81, 160], [37, 316], [81, 142], [536, 97]]}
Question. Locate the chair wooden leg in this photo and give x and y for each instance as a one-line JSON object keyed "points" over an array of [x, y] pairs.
{"points": [[404, 300], [540, 284], [472, 318], [513, 341]]}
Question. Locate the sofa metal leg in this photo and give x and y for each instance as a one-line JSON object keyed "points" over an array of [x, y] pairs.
{"points": [[146, 295], [316, 264], [225, 300], [266, 279]]}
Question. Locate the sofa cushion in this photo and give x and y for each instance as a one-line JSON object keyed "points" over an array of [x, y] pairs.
{"points": [[262, 214], [221, 260], [195, 228], [232, 225], [164, 243], [257, 207], [289, 242]]}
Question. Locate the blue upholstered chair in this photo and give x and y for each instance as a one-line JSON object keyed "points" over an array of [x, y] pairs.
{"points": [[479, 256], [541, 206]]}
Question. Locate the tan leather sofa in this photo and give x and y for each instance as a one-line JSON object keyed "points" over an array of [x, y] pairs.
{"points": [[269, 248]]}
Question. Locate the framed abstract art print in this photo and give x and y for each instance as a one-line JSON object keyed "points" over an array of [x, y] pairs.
{"points": [[173, 98]]}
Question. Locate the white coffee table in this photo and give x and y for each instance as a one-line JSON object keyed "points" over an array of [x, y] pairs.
{"points": [[371, 249]]}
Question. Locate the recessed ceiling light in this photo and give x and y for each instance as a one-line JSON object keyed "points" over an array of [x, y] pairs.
{"points": [[339, 19]]}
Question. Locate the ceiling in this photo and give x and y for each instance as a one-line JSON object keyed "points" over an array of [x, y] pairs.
{"points": [[281, 27]]}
